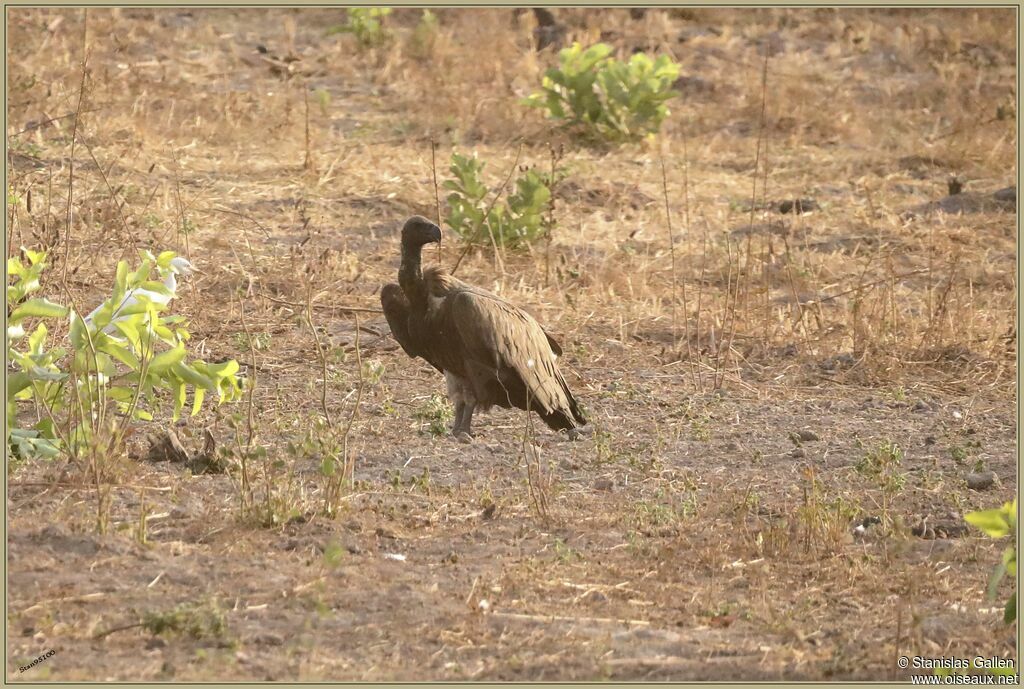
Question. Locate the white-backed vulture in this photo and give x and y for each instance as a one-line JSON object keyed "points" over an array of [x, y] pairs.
{"points": [[490, 352]]}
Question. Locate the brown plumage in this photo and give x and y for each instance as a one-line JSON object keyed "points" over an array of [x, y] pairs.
{"points": [[491, 353]]}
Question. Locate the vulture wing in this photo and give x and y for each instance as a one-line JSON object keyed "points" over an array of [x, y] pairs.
{"points": [[555, 347], [456, 285], [396, 310], [510, 345]]}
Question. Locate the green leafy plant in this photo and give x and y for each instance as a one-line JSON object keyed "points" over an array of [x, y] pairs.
{"points": [[518, 221], [197, 621], [998, 523], [881, 465], [366, 24], [38, 378], [437, 412], [84, 397], [612, 100]]}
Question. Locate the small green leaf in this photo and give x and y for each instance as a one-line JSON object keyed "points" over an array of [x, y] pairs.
{"points": [[333, 555], [122, 354], [16, 382], [193, 377], [198, 395], [992, 522], [34, 257], [164, 360], [164, 259], [179, 399], [78, 333], [156, 287], [120, 393], [38, 308]]}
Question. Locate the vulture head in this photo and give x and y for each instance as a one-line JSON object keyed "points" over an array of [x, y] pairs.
{"points": [[419, 231]]}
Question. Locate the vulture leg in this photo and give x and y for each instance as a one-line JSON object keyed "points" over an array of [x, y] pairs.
{"points": [[461, 395], [467, 417], [460, 409]]}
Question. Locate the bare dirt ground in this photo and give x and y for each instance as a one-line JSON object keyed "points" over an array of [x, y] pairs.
{"points": [[863, 353]]}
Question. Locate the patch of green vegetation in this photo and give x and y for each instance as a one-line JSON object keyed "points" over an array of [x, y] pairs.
{"points": [[259, 341], [397, 480], [823, 520], [610, 99], [999, 523], [667, 507], [437, 412], [700, 420], [373, 371], [510, 224], [881, 465], [86, 395], [366, 24], [334, 554], [197, 621], [565, 553]]}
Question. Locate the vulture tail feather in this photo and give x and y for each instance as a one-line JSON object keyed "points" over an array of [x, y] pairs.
{"points": [[565, 419]]}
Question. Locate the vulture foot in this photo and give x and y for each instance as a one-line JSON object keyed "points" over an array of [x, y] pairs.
{"points": [[463, 437], [580, 433]]}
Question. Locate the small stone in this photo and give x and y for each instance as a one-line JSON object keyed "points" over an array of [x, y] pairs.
{"points": [[806, 436], [155, 642], [166, 447], [268, 639], [604, 484], [1009, 194], [798, 206], [982, 480], [594, 596], [930, 440], [921, 406], [939, 529], [798, 452], [354, 549]]}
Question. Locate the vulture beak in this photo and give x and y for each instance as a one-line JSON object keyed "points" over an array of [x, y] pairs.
{"points": [[434, 234]]}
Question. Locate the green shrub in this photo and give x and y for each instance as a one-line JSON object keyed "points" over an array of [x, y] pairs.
{"points": [[366, 24], [479, 220], [610, 99], [90, 391]]}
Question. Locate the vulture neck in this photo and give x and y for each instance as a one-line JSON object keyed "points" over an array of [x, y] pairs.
{"points": [[410, 276]]}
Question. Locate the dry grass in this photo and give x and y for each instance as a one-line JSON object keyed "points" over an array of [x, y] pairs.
{"points": [[690, 511]]}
